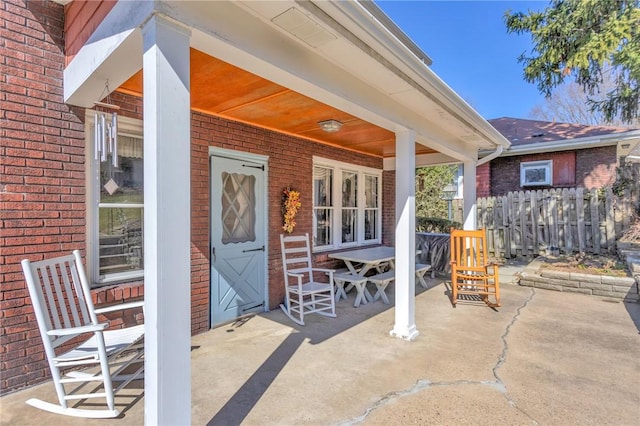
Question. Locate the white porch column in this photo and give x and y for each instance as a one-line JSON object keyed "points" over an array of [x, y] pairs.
{"points": [[405, 326], [469, 195], [167, 228]]}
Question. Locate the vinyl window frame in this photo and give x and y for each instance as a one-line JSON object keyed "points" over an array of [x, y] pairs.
{"points": [[362, 172], [126, 127], [546, 165]]}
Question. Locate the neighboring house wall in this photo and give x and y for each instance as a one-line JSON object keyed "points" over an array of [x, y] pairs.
{"points": [[596, 167], [43, 192], [589, 168], [483, 180]]}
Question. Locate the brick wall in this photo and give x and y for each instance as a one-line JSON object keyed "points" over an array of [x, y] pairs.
{"points": [[290, 164], [389, 207], [42, 183], [483, 180], [594, 168]]}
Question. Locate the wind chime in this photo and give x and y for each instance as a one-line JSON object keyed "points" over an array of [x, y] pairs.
{"points": [[105, 135]]}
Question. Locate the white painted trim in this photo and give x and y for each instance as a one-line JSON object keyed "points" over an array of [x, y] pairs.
{"points": [[336, 234], [113, 52], [126, 126], [406, 60], [167, 216], [264, 161], [239, 155], [544, 164], [422, 160], [469, 196], [571, 144], [405, 237]]}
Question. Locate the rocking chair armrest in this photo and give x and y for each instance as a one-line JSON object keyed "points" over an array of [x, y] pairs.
{"points": [[77, 330], [120, 307], [295, 274]]}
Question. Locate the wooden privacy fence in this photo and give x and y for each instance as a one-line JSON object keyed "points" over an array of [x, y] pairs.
{"points": [[549, 221]]}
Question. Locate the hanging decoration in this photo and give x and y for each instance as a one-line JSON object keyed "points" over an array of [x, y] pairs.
{"points": [[290, 205], [105, 134]]}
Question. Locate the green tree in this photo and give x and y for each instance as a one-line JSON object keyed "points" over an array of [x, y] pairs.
{"points": [[585, 39], [429, 184]]}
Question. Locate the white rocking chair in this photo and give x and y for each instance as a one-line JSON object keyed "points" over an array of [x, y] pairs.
{"points": [[303, 294], [64, 310]]}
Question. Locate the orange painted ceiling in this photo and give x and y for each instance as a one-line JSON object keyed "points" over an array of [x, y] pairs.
{"points": [[221, 89]]}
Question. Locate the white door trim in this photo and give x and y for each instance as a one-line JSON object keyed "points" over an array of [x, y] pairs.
{"points": [[262, 160]]}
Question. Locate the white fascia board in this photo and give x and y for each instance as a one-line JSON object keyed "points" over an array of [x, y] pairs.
{"points": [[113, 52], [572, 144], [367, 27], [267, 52], [422, 160]]}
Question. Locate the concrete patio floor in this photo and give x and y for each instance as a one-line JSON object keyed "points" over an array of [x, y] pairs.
{"points": [[544, 357]]}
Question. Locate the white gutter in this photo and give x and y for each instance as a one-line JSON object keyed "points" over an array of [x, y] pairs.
{"points": [[572, 144], [491, 156], [365, 17]]}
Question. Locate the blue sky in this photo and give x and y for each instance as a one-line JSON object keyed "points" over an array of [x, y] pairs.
{"points": [[471, 50]]}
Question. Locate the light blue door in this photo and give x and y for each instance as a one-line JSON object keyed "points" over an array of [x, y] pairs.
{"points": [[238, 236]]}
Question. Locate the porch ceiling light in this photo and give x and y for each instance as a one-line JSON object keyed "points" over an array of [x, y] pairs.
{"points": [[330, 126]]}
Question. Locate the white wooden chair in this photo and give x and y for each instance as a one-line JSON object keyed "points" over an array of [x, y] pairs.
{"points": [[303, 294], [65, 313]]}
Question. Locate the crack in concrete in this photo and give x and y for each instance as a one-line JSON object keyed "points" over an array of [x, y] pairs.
{"points": [[423, 384]]}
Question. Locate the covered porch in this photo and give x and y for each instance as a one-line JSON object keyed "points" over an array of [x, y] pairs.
{"points": [[280, 66], [521, 368]]}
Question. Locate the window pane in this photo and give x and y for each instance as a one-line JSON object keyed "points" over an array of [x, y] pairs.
{"points": [[349, 189], [349, 221], [121, 240], [371, 191], [370, 224], [123, 184], [322, 230], [322, 178], [238, 208]]}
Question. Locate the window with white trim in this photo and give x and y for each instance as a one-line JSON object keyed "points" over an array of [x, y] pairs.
{"points": [[115, 206], [347, 205], [536, 173]]}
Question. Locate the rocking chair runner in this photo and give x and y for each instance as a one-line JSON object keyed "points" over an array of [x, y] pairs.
{"points": [[471, 273], [62, 303], [303, 294]]}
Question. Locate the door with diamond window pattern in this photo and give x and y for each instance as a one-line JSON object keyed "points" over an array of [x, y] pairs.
{"points": [[238, 237]]}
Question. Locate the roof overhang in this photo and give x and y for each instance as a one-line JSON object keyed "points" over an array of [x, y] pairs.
{"points": [[398, 90], [572, 144]]}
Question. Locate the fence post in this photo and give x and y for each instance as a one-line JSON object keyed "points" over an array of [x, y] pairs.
{"points": [[566, 218], [610, 224], [595, 221], [579, 194]]}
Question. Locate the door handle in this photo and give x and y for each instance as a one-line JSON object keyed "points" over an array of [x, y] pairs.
{"points": [[257, 249], [213, 254]]}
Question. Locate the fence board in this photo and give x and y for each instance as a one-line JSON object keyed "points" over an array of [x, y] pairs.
{"points": [[610, 221], [523, 223], [534, 221], [505, 222], [580, 218], [595, 221]]}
